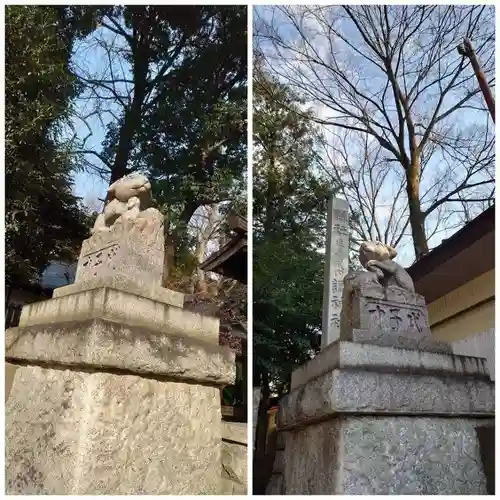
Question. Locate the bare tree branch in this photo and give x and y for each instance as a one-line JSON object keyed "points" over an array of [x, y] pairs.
{"points": [[392, 73]]}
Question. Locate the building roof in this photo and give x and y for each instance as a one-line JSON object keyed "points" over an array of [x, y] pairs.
{"points": [[467, 254], [231, 259]]}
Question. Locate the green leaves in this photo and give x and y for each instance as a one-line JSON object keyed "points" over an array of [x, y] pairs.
{"points": [[195, 138], [290, 208], [185, 121], [43, 218]]}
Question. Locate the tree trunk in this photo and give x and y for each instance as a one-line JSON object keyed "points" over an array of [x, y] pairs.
{"points": [[417, 218], [201, 246], [132, 119]]}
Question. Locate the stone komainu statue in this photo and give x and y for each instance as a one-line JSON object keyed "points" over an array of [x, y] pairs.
{"points": [[381, 275], [376, 258], [130, 202]]}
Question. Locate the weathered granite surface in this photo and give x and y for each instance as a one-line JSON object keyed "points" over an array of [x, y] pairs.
{"points": [[79, 432], [382, 299], [377, 257], [385, 455], [393, 310], [121, 307], [336, 266], [117, 388], [386, 359], [347, 391], [104, 345], [365, 416], [236, 432], [413, 339], [275, 485], [126, 249], [122, 283], [279, 462], [234, 458], [127, 239]]}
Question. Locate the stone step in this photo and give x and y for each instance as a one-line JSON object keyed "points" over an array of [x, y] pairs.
{"points": [[121, 283], [121, 307], [352, 355], [348, 391]]}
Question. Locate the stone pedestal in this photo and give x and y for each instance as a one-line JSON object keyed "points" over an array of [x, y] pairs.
{"points": [[385, 410], [131, 252], [234, 458], [117, 387], [377, 455], [99, 407], [389, 316], [364, 419]]}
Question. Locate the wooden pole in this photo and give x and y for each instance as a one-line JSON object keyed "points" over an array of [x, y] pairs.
{"points": [[466, 50]]}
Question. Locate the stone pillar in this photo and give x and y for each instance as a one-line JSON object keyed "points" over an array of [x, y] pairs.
{"points": [[336, 267], [385, 410], [256, 393], [117, 389]]}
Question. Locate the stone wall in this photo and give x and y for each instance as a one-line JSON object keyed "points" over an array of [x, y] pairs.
{"points": [[481, 345], [234, 458]]}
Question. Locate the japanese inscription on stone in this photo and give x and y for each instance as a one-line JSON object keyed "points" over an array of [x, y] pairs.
{"points": [[336, 267], [94, 261], [394, 318]]}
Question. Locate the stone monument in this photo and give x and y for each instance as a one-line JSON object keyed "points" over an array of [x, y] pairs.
{"points": [[336, 266], [117, 389], [385, 409]]}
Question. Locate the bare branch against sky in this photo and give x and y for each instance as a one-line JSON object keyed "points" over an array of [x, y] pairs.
{"points": [[404, 122]]}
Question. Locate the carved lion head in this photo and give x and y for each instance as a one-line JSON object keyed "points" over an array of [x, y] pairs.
{"points": [[133, 185], [375, 250]]}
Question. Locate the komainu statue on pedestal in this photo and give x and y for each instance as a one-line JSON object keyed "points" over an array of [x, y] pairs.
{"points": [[382, 295], [129, 206], [376, 258]]}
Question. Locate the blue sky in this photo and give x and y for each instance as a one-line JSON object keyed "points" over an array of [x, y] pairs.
{"points": [[92, 60], [291, 69]]}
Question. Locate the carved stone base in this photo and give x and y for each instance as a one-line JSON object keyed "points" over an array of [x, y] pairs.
{"points": [[347, 391], [100, 408], [413, 339], [364, 419], [387, 359], [385, 455], [391, 310], [121, 307], [130, 251], [122, 283]]}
